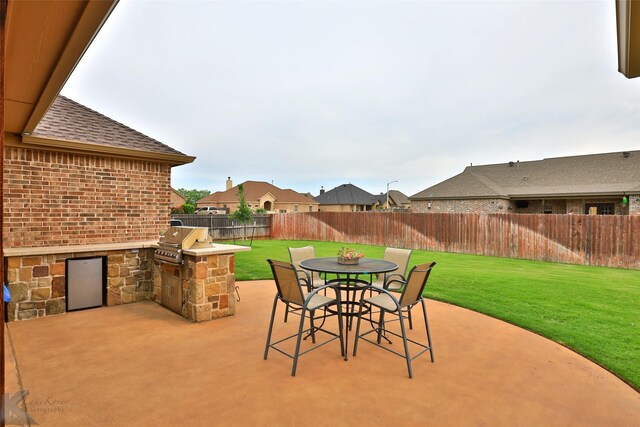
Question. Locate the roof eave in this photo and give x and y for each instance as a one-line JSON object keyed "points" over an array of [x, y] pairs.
{"points": [[426, 198], [91, 148], [529, 196], [573, 195], [35, 78]]}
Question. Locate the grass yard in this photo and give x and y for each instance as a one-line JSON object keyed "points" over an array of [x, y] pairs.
{"points": [[592, 310]]}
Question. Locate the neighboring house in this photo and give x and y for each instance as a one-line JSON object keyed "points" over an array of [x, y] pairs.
{"points": [[603, 184], [346, 198], [177, 199], [82, 185], [397, 201], [260, 195]]}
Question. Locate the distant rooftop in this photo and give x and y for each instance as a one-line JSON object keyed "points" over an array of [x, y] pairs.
{"points": [[346, 194], [254, 190], [594, 174]]}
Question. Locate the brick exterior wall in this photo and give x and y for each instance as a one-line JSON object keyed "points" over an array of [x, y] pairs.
{"points": [[538, 207], [37, 282], [462, 206], [576, 206], [55, 199], [344, 208], [176, 200], [275, 206], [558, 206]]}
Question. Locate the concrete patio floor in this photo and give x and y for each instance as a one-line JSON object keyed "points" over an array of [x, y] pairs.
{"points": [[140, 364]]}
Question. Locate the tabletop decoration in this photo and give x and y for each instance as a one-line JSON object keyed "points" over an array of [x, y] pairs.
{"points": [[349, 256]]}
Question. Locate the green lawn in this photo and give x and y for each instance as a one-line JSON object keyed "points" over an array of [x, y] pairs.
{"points": [[593, 310]]}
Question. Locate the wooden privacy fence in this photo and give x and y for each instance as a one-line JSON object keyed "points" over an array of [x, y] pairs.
{"points": [[221, 227], [602, 240]]}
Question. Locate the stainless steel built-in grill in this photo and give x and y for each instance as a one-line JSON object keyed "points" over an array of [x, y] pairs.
{"points": [[177, 239]]}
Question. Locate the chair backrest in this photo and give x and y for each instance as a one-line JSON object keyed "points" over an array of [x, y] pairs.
{"points": [[400, 257], [300, 254], [287, 282], [416, 282]]}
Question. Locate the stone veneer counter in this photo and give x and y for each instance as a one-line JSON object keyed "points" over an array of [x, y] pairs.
{"points": [[37, 276], [216, 249], [68, 249]]}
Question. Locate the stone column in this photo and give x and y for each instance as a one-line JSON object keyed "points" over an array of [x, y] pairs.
{"points": [[634, 204], [210, 284]]}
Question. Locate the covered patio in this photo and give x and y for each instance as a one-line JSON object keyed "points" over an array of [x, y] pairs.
{"points": [[141, 364]]}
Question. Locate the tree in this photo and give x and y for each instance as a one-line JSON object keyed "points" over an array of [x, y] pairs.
{"points": [[192, 196], [243, 213], [188, 208]]}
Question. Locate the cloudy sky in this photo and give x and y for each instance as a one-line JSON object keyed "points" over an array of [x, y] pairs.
{"points": [[320, 93]]}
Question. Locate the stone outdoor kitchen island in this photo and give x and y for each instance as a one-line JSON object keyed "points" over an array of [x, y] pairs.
{"points": [[207, 279]]}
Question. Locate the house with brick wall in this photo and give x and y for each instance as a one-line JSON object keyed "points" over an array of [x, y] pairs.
{"points": [[346, 198], [177, 199], [260, 195], [397, 201], [82, 185], [598, 184]]}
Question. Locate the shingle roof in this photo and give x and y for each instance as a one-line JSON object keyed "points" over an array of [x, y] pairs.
{"points": [[346, 194], [253, 191], [67, 120], [607, 173], [396, 197]]}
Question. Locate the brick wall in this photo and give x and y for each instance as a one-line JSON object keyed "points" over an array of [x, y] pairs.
{"points": [[275, 206], [557, 206], [176, 200], [56, 199], [461, 206], [341, 208]]}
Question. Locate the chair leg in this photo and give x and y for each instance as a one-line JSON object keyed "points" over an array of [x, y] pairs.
{"points": [[343, 351], [426, 324], [409, 316], [404, 341], [355, 342], [298, 340], [380, 325], [273, 315], [313, 328], [286, 312]]}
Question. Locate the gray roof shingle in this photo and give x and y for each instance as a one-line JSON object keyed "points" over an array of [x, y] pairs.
{"points": [[346, 194], [67, 120], [594, 174], [396, 197]]}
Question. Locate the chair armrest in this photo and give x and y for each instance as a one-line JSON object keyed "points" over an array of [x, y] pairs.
{"points": [[399, 279], [382, 291], [307, 279]]}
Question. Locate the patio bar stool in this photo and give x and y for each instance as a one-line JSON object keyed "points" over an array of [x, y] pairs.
{"points": [[290, 292], [311, 280], [388, 303]]}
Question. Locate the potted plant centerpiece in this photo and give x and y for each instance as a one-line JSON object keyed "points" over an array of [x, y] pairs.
{"points": [[349, 256]]}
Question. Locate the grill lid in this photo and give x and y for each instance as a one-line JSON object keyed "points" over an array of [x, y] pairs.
{"points": [[177, 239]]}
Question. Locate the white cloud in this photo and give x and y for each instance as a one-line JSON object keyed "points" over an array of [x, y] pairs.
{"points": [[322, 93]]}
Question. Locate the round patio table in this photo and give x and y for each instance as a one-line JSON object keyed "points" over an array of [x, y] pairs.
{"points": [[350, 282]]}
